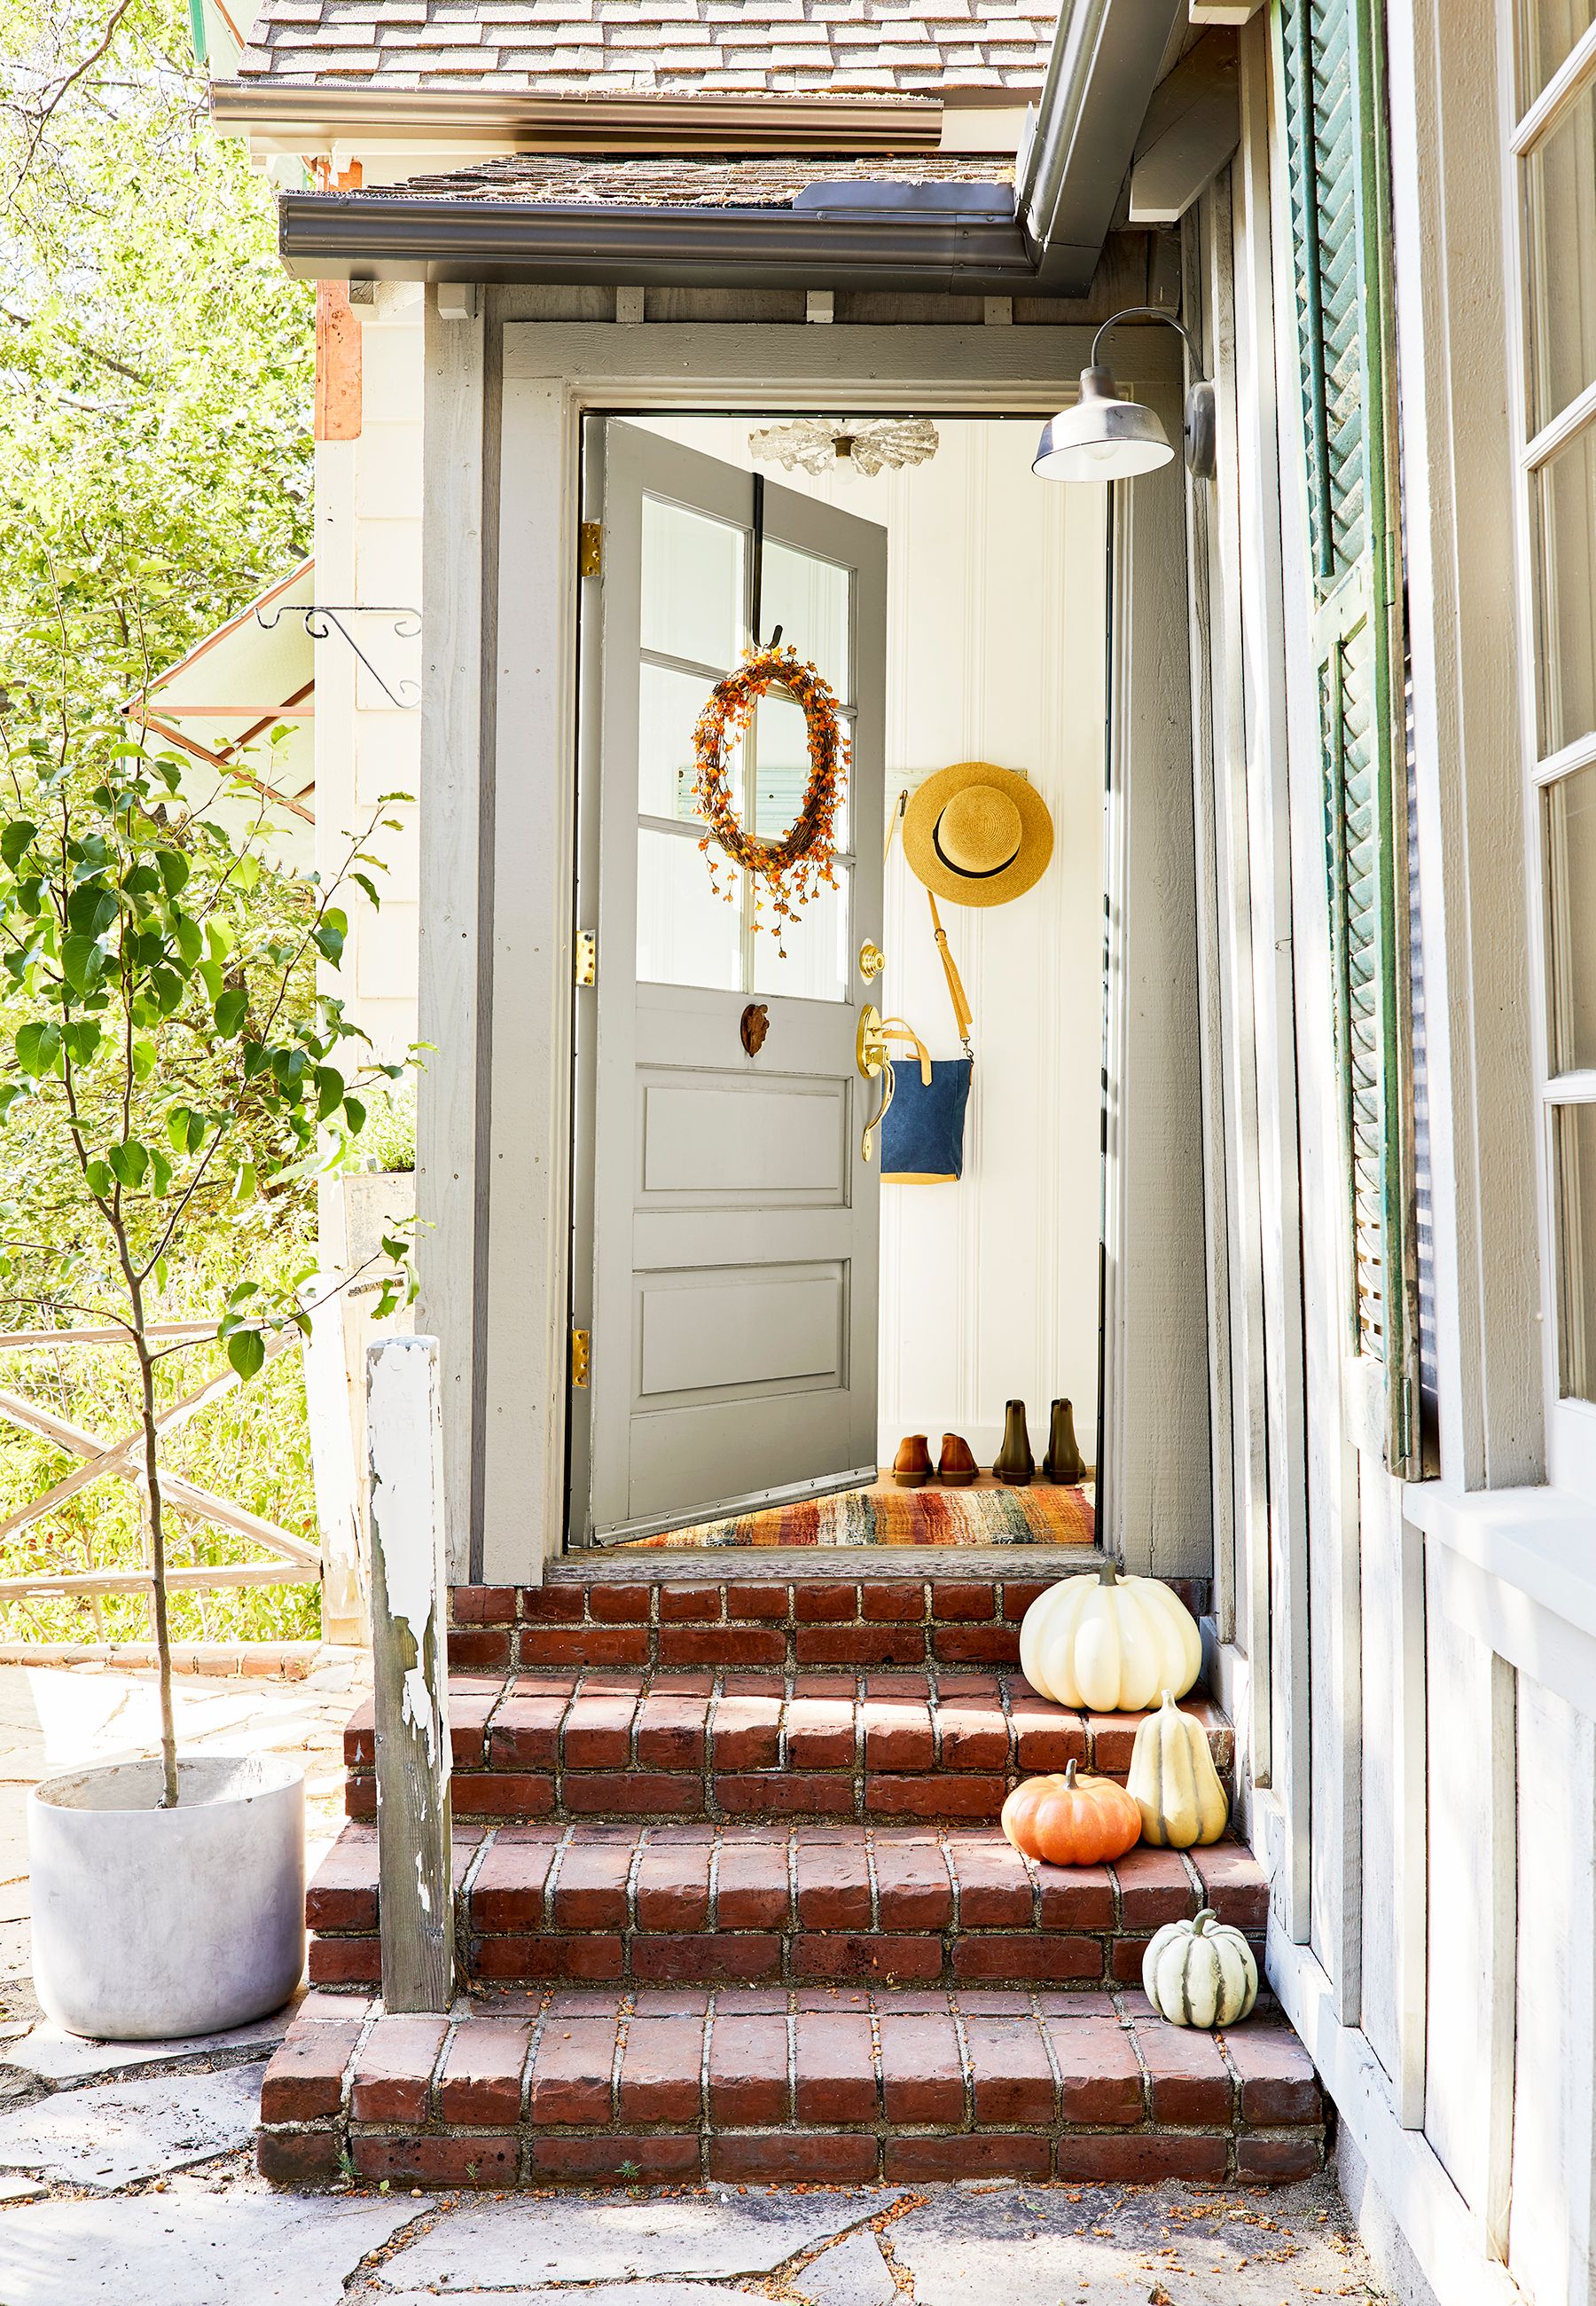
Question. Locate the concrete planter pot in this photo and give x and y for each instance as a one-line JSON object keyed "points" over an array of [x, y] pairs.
{"points": [[150, 1924]]}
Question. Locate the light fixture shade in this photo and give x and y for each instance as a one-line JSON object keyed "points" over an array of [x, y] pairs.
{"points": [[1102, 438]]}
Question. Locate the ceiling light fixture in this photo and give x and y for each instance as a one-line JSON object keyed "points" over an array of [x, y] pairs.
{"points": [[842, 446], [1106, 438]]}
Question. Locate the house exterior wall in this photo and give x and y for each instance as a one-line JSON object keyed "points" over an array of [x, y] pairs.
{"points": [[1422, 1773]]}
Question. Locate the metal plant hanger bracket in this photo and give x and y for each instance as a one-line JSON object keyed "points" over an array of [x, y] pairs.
{"points": [[321, 617]]}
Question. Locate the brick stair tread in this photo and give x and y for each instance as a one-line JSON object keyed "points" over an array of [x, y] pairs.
{"points": [[867, 1608], [695, 1903], [593, 1742], [749, 2084], [692, 1904]]}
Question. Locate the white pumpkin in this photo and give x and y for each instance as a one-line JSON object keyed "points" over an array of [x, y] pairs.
{"points": [[1109, 1644], [1173, 1783], [1199, 1973]]}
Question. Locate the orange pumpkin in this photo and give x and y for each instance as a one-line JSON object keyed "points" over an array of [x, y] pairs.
{"points": [[1070, 1821]]}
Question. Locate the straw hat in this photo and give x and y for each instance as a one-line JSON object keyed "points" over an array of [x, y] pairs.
{"points": [[978, 834]]}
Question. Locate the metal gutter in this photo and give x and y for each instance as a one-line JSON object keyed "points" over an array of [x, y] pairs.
{"points": [[1105, 65], [716, 126], [373, 237]]}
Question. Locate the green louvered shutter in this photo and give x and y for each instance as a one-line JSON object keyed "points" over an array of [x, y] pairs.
{"points": [[1331, 85]]}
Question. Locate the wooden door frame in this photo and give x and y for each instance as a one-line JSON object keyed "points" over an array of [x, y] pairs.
{"points": [[505, 400]]}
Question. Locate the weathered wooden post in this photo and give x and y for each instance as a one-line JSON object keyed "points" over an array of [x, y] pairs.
{"points": [[405, 1440]]}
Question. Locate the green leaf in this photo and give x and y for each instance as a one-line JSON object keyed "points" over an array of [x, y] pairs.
{"points": [[246, 872], [15, 841], [230, 1013], [160, 1170], [144, 1056], [91, 910], [82, 963], [329, 1092], [37, 1047], [329, 934], [81, 1039], [100, 1180], [129, 1162], [247, 1350], [189, 938], [354, 1114], [174, 869]]}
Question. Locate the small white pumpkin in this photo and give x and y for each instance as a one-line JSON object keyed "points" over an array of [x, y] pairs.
{"points": [[1173, 1783], [1200, 1972], [1109, 1644]]}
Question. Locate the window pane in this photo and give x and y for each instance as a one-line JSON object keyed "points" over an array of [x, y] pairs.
{"points": [[1565, 505], [668, 707], [692, 585], [686, 933], [1548, 32], [816, 965], [1574, 1140], [781, 746], [1560, 262], [1568, 814], [809, 599]]}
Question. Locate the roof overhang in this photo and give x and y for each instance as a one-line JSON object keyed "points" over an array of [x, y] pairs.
{"points": [[379, 236], [1105, 62]]}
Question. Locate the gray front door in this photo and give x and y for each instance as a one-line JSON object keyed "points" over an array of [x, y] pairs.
{"points": [[733, 1217]]}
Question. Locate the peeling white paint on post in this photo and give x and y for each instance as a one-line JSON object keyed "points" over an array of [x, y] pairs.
{"points": [[405, 1436]]}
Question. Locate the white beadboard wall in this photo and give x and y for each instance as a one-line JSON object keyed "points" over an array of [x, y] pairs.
{"points": [[995, 634]]}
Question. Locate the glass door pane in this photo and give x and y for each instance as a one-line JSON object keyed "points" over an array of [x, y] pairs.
{"points": [[1565, 512], [692, 585], [812, 601], [1560, 179], [1569, 818], [1574, 1146]]}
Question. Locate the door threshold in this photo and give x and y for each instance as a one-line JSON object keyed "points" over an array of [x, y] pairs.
{"points": [[714, 1565]]}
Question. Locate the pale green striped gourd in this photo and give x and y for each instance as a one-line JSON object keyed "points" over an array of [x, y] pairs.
{"points": [[1200, 1972]]}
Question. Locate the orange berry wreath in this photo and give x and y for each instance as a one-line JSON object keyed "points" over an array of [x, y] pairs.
{"points": [[794, 865]]}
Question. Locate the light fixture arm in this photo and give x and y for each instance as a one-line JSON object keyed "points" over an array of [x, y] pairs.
{"points": [[1200, 418], [1148, 312]]}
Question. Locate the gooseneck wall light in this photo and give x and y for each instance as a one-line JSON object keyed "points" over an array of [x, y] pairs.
{"points": [[1105, 438]]}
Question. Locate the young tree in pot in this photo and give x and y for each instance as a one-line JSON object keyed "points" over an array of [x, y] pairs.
{"points": [[173, 1064]]}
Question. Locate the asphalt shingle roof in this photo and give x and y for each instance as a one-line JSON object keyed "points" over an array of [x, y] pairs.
{"points": [[767, 183], [661, 47]]}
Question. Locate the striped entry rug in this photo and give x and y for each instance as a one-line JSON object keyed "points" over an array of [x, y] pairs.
{"points": [[1041, 1514]]}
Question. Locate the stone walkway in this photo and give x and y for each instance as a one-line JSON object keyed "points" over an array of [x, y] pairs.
{"points": [[127, 2174]]}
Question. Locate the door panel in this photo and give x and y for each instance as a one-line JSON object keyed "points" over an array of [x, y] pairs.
{"points": [[734, 1221]]}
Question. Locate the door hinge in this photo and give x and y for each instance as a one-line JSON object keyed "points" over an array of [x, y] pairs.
{"points": [[587, 957], [581, 1356], [590, 553]]}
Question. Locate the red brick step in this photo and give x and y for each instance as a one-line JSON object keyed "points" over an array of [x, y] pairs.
{"points": [[656, 1905], [935, 1747], [746, 2083]]}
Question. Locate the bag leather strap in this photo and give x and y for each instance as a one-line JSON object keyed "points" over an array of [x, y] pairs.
{"points": [[963, 1016]]}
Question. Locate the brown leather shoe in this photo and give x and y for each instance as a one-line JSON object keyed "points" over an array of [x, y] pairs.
{"points": [[956, 1469], [911, 1468]]}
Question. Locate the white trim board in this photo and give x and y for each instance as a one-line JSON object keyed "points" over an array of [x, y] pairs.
{"points": [[1520, 1576], [553, 373], [1446, 2238]]}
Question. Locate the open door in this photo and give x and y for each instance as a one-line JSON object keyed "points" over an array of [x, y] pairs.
{"points": [[725, 1264]]}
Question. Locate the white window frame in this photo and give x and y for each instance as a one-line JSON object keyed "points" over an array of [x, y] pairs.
{"points": [[1570, 1422]]}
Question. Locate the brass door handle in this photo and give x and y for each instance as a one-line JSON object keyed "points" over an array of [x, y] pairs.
{"points": [[874, 1060], [889, 1086]]}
